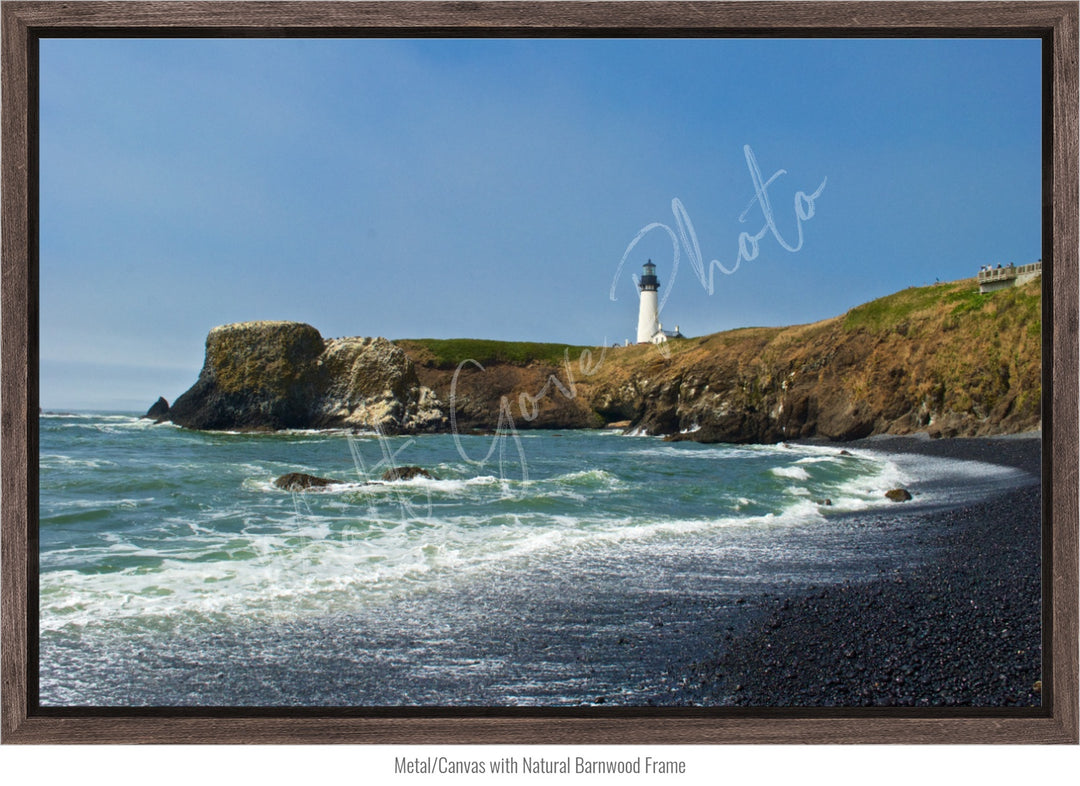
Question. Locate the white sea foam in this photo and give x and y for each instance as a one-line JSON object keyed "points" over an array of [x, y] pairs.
{"points": [[117, 418], [55, 461], [87, 505], [113, 424], [723, 452], [322, 432], [819, 460], [593, 477], [305, 567], [795, 473], [354, 544]]}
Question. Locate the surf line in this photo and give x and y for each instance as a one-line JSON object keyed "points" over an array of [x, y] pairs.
{"points": [[749, 245]]}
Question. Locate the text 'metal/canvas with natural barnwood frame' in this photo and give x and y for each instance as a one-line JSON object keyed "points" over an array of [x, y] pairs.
{"points": [[601, 372]]}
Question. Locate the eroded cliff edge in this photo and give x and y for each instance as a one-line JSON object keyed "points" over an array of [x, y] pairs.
{"points": [[282, 375], [942, 359]]}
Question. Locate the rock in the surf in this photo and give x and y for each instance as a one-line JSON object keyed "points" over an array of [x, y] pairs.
{"points": [[407, 473], [299, 481], [159, 410]]}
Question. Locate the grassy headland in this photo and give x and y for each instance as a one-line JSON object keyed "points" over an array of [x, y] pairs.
{"points": [[943, 358], [447, 353]]}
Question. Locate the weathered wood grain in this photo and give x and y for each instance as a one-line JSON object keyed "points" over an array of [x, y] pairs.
{"points": [[566, 18], [18, 432], [1061, 354], [24, 23]]}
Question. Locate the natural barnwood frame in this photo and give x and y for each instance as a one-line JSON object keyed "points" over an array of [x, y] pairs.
{"points": [[24, 23]]}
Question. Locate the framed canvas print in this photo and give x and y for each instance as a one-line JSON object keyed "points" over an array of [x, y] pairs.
{"points": [[539, 372]]}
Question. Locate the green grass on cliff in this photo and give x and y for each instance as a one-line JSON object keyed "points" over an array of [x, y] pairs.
{"points": [[921, 310], [949, 301], [887, 312], [449, 352], [961, 351]]}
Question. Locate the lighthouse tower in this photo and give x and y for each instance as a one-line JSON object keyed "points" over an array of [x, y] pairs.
{"points": [[648, 316]]}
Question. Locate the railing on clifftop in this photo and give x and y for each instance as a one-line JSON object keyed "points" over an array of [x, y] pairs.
{"points": [[1009, 271]]}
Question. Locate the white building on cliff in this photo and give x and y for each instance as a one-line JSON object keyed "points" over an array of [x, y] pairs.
{"points": [[649, 328]]}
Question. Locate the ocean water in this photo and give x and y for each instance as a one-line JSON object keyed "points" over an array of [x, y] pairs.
{"points": [[540, 568]]}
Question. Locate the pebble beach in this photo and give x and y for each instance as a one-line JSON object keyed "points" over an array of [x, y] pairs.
{"points": [[961, 629]]}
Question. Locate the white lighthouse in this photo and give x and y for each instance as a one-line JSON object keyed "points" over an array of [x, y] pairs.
{"points": [[648, 321]]}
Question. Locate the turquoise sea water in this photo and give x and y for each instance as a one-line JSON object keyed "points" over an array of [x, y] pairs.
{"points": [[552, 568]]}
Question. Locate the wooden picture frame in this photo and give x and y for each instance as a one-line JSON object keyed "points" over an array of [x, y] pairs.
{"points": [[25, 23]]}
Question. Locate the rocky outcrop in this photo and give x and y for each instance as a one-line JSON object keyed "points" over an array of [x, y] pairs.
{"points": [[532, 395], [944, 360], [281, 375], [300, 481], [256, 375], [407, 473], [370, 382], [159, 411]]}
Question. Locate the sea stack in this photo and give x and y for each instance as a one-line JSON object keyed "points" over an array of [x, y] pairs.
{"points": [[159, 410], [255, 375], [284, 375]]}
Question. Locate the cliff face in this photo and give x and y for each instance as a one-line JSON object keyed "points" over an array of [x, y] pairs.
{"points": [[941, 359], [277, 375], [496, 384], [370, 381]]}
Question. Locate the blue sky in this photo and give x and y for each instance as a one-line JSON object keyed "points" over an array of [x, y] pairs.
{"points": [[489, 188]]}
